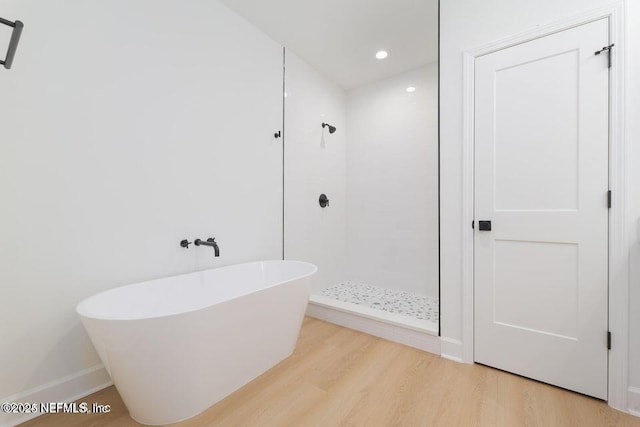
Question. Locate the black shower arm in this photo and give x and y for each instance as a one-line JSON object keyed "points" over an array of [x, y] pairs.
{"points": [[13, 43]]}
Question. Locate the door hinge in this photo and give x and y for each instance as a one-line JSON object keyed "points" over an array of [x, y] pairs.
{"points": [[473, 225], [609, 198], [608, 50], [608, 340]]}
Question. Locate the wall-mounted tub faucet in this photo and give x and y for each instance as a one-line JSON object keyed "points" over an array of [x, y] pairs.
{"points": [[211, 241]]}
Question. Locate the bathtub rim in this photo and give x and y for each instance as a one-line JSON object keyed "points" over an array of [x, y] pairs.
{"points": [[81, 311]]}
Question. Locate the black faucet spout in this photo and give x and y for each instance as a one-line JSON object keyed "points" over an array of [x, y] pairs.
{"points": [[211, 241]]}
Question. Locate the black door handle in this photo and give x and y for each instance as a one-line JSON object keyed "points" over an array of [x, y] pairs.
{"points": [[484, 225]]}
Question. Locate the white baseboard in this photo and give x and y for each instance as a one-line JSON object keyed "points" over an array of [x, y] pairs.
{"points": [[634, 401], [66, 389], [451, 349], [422, 340]]}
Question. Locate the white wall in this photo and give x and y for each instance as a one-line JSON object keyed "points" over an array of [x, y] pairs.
{"points": [[392, 182], [126, 127], [315, 163], [633, 136], [465, 25]]}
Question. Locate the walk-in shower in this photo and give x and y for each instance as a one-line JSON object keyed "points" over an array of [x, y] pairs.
{"points": [[376, 243]]}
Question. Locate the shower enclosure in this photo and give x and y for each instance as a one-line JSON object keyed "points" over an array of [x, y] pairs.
{"points": [[369, 146]]}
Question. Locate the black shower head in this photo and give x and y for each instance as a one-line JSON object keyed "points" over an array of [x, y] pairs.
{"points": [[332, 129]]}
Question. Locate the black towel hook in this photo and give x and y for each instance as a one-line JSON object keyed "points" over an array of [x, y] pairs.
{"points": [[13, 43]]}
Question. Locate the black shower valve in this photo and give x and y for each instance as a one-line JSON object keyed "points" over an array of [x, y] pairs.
{"points": [[323, 200]]}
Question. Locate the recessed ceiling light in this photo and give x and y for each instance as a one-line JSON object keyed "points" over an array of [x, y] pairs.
{"points": [[411, 89], [382, 54]]}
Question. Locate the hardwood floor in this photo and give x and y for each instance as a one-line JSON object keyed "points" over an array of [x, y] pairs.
{"points": [[341, 377]]}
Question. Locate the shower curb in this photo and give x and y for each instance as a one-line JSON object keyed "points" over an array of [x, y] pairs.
{"points": [[422, 340]]}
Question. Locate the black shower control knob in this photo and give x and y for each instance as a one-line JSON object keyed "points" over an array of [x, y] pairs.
{"points": [[323, 201]]}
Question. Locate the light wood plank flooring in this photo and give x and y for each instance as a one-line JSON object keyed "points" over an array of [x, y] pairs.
{"points": [[340, 377]]}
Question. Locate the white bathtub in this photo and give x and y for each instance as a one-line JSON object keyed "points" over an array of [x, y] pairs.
{"points": [[176, 346]]}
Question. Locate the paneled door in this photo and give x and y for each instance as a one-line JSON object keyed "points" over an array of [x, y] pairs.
{"points": [[541, 209]]}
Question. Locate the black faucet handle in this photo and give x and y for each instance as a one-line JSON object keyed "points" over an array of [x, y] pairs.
{"points": [[211, 240], [185, 243]]}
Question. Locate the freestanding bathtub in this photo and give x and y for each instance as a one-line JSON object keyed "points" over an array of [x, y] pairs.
{"points": [[176, 346]]}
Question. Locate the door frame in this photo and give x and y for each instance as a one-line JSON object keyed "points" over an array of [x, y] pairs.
{"points": [[618, 240]]}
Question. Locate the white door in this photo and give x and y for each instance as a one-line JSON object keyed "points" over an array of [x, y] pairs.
{"points": [[541, 159]]}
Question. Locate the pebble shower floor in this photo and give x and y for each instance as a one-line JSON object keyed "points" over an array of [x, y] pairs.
{"points": [[389, 300]]}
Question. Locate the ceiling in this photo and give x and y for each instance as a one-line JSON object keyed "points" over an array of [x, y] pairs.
{"points": [[340, 37]]}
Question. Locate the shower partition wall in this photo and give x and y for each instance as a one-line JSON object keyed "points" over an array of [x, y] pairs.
{"points": [[376, 242]]}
